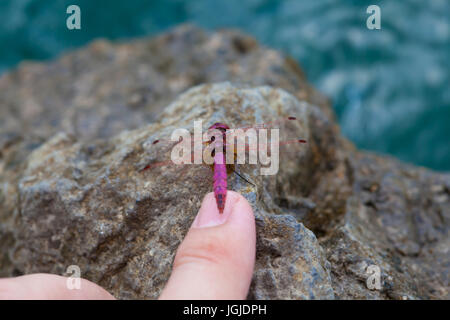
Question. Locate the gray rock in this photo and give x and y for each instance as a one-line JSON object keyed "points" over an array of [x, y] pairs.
{"points": [[75, 132], [397, 218], [122, 226]]}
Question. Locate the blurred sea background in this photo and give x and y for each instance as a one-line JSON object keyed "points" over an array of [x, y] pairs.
{"points": [[390, 87]]}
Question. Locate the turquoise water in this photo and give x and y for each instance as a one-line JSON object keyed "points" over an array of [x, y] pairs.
{"points": [[389, 87]]}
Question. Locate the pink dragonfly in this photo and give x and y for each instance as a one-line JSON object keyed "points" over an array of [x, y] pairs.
{"points": [[218, 151]]}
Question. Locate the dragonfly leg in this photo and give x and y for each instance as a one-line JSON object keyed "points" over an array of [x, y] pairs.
{"points": [[244, 178]]}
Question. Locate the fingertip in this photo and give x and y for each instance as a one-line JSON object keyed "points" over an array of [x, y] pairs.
{"points": [[209, 215], [216, 258], [241, 209]]}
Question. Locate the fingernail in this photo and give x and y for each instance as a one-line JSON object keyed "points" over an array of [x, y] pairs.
{"points": [[209, 216]]}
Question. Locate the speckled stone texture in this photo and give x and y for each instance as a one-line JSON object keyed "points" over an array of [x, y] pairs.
{"points": [[75, 132]]}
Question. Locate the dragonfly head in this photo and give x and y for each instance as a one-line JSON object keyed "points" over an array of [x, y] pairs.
{"points": [[220, 126]]}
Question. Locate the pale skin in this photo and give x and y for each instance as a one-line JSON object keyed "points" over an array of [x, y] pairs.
{"points": [[214, 261]]}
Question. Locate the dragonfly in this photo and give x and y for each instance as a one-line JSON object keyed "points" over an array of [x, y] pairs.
{"points": [[217, 145]]}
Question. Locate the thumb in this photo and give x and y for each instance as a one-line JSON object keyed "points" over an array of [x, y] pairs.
{"points": [[216, 259]]}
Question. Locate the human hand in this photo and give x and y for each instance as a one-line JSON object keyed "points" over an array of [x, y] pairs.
{"points": [[214, 261], [217, 256]]}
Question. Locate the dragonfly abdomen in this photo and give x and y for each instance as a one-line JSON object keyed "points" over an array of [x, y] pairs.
{"points": [[220, 180]]}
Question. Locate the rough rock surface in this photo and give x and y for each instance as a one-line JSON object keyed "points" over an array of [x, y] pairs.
{"points": [[74, 133]]}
